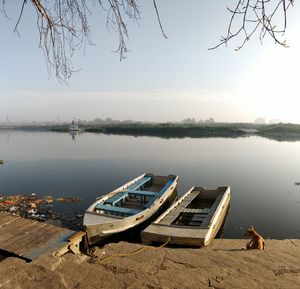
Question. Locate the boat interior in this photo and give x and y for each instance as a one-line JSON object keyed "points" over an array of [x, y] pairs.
{"points": [[136, 197], [196, 209]]}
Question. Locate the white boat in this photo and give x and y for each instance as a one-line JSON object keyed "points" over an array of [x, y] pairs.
{"points": [[73, 127], [193, 220], [128, 206]]}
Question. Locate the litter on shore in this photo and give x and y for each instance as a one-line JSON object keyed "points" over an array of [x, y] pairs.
{"points": [[39, 208]]}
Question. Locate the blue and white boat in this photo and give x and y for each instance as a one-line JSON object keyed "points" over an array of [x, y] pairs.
{"points": [[128, 206]]}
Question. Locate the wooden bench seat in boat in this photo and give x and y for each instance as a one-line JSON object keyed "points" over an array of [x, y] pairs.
{"points": [[131, 189], [142, 193], [120, 210], [196, 211], [139, 183], [116, 198]]}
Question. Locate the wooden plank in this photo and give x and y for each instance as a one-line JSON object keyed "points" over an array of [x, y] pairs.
{"points": [[17, 222], [173, 214], [73, 244], [195, 211], [120, 210], [12, 234], [19, 237], [33, 239], [6, 219], [30, 238], [139, 183], [142, 193], [188, 199], [55, 243], [116, 198], [13, 229]]}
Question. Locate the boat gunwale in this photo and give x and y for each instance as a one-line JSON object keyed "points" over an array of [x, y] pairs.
{"points": [[179, 226], [217, 213]]}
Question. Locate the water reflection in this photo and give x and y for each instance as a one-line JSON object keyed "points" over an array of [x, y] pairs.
{"points": [[261, 172], [73, 134], [283, 138]]}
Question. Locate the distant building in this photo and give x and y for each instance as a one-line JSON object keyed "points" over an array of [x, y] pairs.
{"points": [[260, 120], [105, 121], [210, 120], [189, 120], [274, 121]]}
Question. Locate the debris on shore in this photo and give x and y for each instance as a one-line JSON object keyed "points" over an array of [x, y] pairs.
{"points": [[41, 209], [2, 162]]}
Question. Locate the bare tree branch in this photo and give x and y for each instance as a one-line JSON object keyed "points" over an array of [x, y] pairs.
{"points": [[63, 25], [20, 16], [63, 28], [250, 16], [158, 18], [119, 11]]}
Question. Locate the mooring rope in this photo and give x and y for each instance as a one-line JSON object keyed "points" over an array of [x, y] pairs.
{"points": [[134, 252]]}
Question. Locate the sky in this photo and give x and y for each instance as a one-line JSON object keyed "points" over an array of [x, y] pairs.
{"points": [[160, 79]]}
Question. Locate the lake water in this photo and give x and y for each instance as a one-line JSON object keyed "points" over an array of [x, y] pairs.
{"points": [[260, 172]]}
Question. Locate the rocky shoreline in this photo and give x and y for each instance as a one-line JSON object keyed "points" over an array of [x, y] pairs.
{"points": [[223, 264]]}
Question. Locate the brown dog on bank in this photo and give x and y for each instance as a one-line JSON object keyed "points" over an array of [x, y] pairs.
{"points": [[256, 242]]}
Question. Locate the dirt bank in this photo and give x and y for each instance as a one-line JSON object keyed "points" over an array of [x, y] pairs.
{"points": [[221, 265]]}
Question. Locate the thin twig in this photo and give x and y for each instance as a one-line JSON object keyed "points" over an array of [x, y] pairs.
{"points": [[158, 19], [252, 15]]}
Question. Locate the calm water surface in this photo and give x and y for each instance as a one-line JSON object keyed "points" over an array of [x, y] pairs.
{"points": [[261, 172]]}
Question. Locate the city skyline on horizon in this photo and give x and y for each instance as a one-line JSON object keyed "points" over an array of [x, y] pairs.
{"points": [[99, 119]]}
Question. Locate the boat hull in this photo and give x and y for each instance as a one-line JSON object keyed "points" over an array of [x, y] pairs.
{"points": [[100, 227], [187, 235]]}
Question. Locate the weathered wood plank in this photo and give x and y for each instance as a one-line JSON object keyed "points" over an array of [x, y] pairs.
{"points": [[20, 237], [172, 215], [53, 244], [6, 218], [13, 229], [35, 239], [30, 238], [196, 211]]}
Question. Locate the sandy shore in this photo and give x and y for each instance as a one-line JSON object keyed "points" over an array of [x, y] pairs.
{"points": [[221, 265]]}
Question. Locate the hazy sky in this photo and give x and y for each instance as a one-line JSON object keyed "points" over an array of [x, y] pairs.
{"points": [[160, 80]]}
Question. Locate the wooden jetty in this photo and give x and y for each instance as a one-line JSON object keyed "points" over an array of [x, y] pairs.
{"points": [[29, 239]]}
